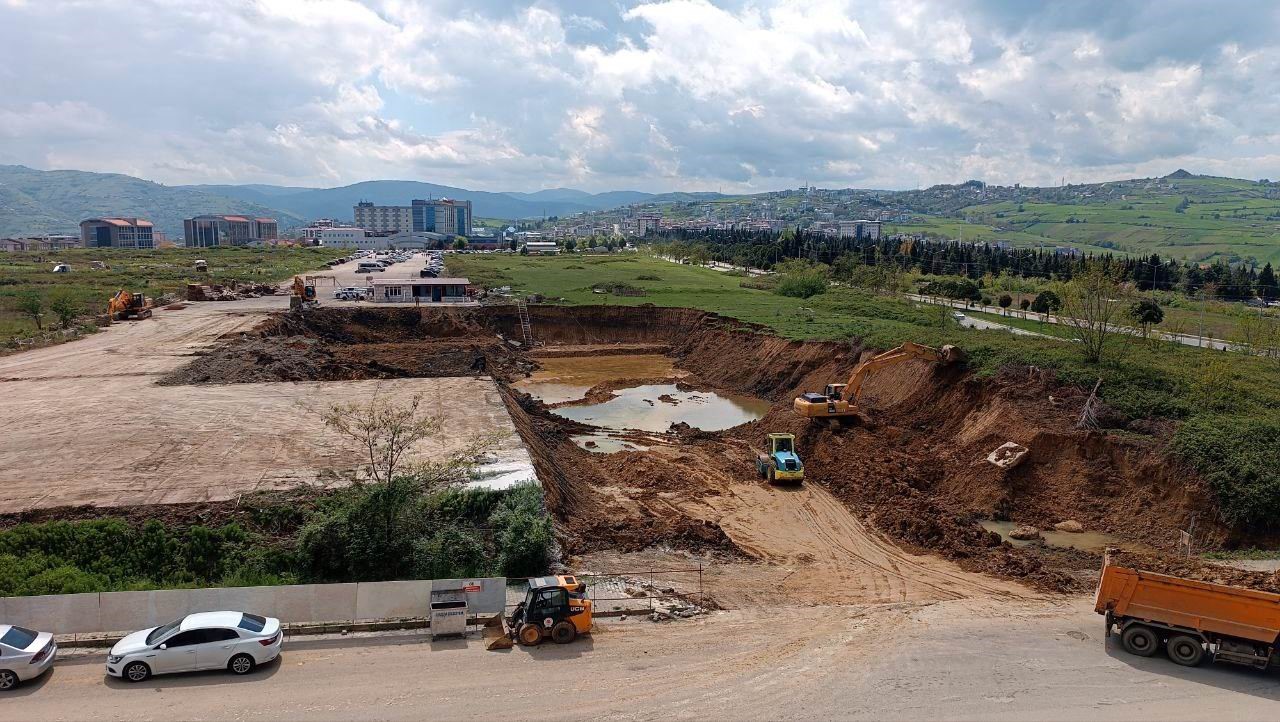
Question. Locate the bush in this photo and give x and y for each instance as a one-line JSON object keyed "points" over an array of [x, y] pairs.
{"points": [[522, 532], [801, 284], [1238, 457]]}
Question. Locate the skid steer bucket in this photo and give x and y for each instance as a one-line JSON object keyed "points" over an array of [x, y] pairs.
{"points": [[496, 634]]}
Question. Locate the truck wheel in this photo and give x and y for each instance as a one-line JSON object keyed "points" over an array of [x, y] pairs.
{"points": [[564, 632], [1139, 640], [1186, 650]]}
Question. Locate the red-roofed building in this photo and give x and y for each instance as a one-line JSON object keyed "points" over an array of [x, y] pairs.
{"points": [[117, 233], [213, 230]]}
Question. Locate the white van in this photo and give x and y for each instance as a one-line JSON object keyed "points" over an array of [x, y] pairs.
{"points": [[369, 267]]}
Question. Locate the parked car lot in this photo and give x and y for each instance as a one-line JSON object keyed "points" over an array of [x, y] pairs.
{"points": [[235, 641], [24, 655]]}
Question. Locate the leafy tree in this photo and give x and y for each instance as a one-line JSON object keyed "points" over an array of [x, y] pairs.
{"points": [[1146, 313], [459, 243], [1089, 310], [1046, 302], [1024, 304], [31, 305], [1005, 302], [65, 307], [384, 430], [570, 245]]}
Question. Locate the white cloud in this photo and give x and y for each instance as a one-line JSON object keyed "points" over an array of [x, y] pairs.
{"points": [[651, 94]]}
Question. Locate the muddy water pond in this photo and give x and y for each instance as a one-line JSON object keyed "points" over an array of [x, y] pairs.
{"points": [[1089, 541], [655, 407], [569, 378]]}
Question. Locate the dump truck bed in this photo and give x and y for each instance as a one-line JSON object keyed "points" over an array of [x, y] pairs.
{"points": [[1203, 606]]}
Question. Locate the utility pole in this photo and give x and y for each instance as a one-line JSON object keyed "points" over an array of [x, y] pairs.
{"points": [[1203, 304]]}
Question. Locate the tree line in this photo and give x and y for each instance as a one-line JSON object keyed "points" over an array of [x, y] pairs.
{"points": [[765, 249]]}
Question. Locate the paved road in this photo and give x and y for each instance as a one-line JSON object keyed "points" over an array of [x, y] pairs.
{"points": [[1184, 339], [950, 660]]}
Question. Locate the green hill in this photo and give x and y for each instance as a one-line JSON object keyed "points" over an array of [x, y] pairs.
{"points": [[33, 201], [1196, 218]]}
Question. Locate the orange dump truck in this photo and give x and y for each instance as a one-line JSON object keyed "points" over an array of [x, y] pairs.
{"points": [[1191, 620]]}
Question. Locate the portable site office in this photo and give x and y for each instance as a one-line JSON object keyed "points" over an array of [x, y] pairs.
{"points": [[420, 290]]}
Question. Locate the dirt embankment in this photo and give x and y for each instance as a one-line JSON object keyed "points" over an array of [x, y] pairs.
{"points": [[917, 473], [354, 344]]}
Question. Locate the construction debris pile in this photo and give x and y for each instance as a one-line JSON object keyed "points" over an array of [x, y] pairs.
{"points": [[229, 292]]}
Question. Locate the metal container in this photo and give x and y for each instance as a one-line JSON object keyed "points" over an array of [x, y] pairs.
{"points": [[448, 612]]}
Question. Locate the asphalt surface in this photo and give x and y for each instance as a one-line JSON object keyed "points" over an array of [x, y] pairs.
{"points": [[964, 659]]}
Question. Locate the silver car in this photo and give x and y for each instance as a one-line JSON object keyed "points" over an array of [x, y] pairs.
{"points": [[236, 641], [24, 654]]}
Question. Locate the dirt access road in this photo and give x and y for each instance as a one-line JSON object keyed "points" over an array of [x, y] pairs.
{"points": [[951, 660], [85, 422]]}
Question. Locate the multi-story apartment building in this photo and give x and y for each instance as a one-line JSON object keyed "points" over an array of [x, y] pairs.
{"points": [[117, 233], [860, 229], [216, 230], [450, 217]]}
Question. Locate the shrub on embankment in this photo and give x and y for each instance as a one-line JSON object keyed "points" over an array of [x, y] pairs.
{"points": [[371, 532]]}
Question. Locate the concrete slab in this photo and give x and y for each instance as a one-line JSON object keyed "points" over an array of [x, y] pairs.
{"points": [[71, 441]]}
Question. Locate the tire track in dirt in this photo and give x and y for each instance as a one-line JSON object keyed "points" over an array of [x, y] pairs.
{"points": [[837, 558]]}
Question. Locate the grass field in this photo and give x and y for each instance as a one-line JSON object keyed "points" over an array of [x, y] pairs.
{"points": [[1228, 404], [1220, 218], [165, 270]]}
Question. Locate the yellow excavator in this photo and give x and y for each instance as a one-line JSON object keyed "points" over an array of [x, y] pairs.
{"points": [[304, 294], [839, 402], [127, 305]]}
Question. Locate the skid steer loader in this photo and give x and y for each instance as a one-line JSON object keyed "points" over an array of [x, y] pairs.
{"points": [[554, 607]]}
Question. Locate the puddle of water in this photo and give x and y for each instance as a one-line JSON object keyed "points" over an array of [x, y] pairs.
{"points": [[605, 444], [1089, 541], [654, 407], [569, 378]]}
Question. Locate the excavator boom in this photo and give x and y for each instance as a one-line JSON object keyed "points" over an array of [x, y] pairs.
{"points": [[840, 400]]}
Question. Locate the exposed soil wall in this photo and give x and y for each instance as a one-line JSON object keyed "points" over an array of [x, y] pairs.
{"points": [[917, 472]]}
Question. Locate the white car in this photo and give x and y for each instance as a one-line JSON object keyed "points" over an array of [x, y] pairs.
{"points": [[24, 654], [237, 641]]}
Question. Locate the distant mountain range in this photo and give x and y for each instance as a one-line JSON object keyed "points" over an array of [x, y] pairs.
{"points": [[35, 202]]}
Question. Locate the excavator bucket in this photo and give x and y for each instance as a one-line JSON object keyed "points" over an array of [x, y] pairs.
{"points": [[496, 634]]}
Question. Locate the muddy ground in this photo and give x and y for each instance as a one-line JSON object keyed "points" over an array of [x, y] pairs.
{"points": [[915, 472]]}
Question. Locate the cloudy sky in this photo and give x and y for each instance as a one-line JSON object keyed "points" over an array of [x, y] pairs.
{"points": [[641, 94]]}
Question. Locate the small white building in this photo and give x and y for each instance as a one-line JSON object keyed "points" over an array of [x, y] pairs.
{"points": [[420, 290], [542, 248], [346, 237]]}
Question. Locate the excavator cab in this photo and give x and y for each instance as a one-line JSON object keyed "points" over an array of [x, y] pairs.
{"points": [[555, 607]]}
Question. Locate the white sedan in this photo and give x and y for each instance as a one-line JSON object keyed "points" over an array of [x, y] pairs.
{"points": [[237, 641], [24, 654]]}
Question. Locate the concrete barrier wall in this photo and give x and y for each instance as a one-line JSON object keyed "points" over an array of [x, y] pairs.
{"points": [[389, 600], [128, 611], [491, 599], [59, 613]]}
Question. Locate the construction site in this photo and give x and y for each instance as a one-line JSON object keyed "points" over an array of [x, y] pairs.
{"points": [[650, 430]]}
